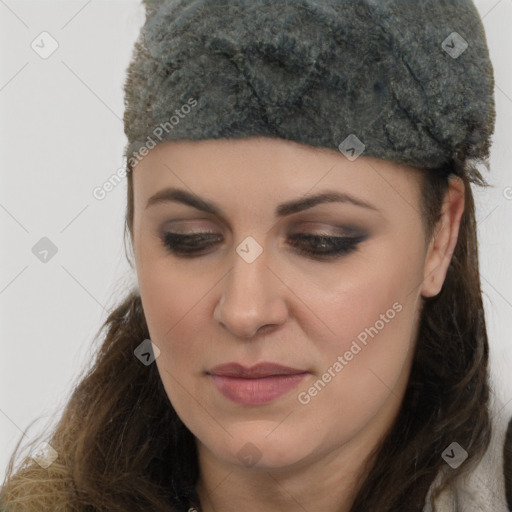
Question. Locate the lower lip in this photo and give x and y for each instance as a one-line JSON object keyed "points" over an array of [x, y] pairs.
{"points": [[256, 391]]}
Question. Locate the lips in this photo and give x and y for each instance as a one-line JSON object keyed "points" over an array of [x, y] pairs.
{"points": [[256, 385], [254, 372]]}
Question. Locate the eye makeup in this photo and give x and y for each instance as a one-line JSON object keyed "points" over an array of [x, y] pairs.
{"points": [[316, 246]]}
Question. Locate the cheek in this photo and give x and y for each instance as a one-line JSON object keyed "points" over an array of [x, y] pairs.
{"points": [[373, 314], [176, 297], [171, 305], [173, 310], [368, 290]]}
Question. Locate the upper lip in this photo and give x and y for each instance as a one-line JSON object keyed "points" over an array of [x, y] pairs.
{"points": [[257, 371]]}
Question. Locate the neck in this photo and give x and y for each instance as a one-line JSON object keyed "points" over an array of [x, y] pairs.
{"points": [[323, 485]]}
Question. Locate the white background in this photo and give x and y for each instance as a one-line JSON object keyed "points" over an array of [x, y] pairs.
{"points": [[62, 136]]}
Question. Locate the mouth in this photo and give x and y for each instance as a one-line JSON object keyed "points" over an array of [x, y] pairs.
{"points": [[255, 385]]}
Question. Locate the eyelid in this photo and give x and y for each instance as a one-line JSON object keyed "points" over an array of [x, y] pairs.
{"points": [[348, 233], [322, 228], [330, 231], [174, 227], [323, 232], [309, 223]]}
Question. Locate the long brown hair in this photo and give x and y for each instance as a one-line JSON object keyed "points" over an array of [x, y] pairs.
{"points": [[121, 445]]}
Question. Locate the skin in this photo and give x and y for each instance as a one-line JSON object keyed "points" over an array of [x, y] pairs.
{"points": [[285, 307]]}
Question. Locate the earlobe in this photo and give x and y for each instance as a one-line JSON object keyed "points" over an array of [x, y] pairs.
{"points": [[444, 239]]}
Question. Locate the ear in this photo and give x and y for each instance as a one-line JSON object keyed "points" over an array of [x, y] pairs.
{"points": [[443, 242]]}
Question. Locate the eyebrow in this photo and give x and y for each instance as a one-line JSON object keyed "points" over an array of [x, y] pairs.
{"points": [[288, 208]]}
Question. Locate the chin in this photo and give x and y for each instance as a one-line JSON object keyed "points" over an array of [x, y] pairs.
{"points": [[260, 445]]}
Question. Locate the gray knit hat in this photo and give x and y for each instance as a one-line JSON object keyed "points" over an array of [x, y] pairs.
{"points": [[402, 80]]}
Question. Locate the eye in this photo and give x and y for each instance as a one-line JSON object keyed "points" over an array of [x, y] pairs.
{"points": [[181, 244], [323, 246], [314, 246]]}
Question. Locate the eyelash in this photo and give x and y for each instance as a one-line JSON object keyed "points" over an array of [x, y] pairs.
{"points": [[339, 246]]}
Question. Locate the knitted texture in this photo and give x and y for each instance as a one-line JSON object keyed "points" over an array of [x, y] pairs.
{"points": [[485, 488], [395, 74]]}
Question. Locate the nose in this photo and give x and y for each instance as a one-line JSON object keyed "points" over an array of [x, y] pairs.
{"points": [[253, 298]]}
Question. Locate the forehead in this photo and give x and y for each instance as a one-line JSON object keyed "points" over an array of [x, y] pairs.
{"points": [[270, 170]]}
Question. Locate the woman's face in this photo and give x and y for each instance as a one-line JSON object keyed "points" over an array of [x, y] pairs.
{"points": [[346, 323]]}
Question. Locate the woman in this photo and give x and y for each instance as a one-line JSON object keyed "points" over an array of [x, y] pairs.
{"points": [[308, 330]]}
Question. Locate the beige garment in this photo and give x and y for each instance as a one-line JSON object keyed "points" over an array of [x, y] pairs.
{"points": [[482, 489]]}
